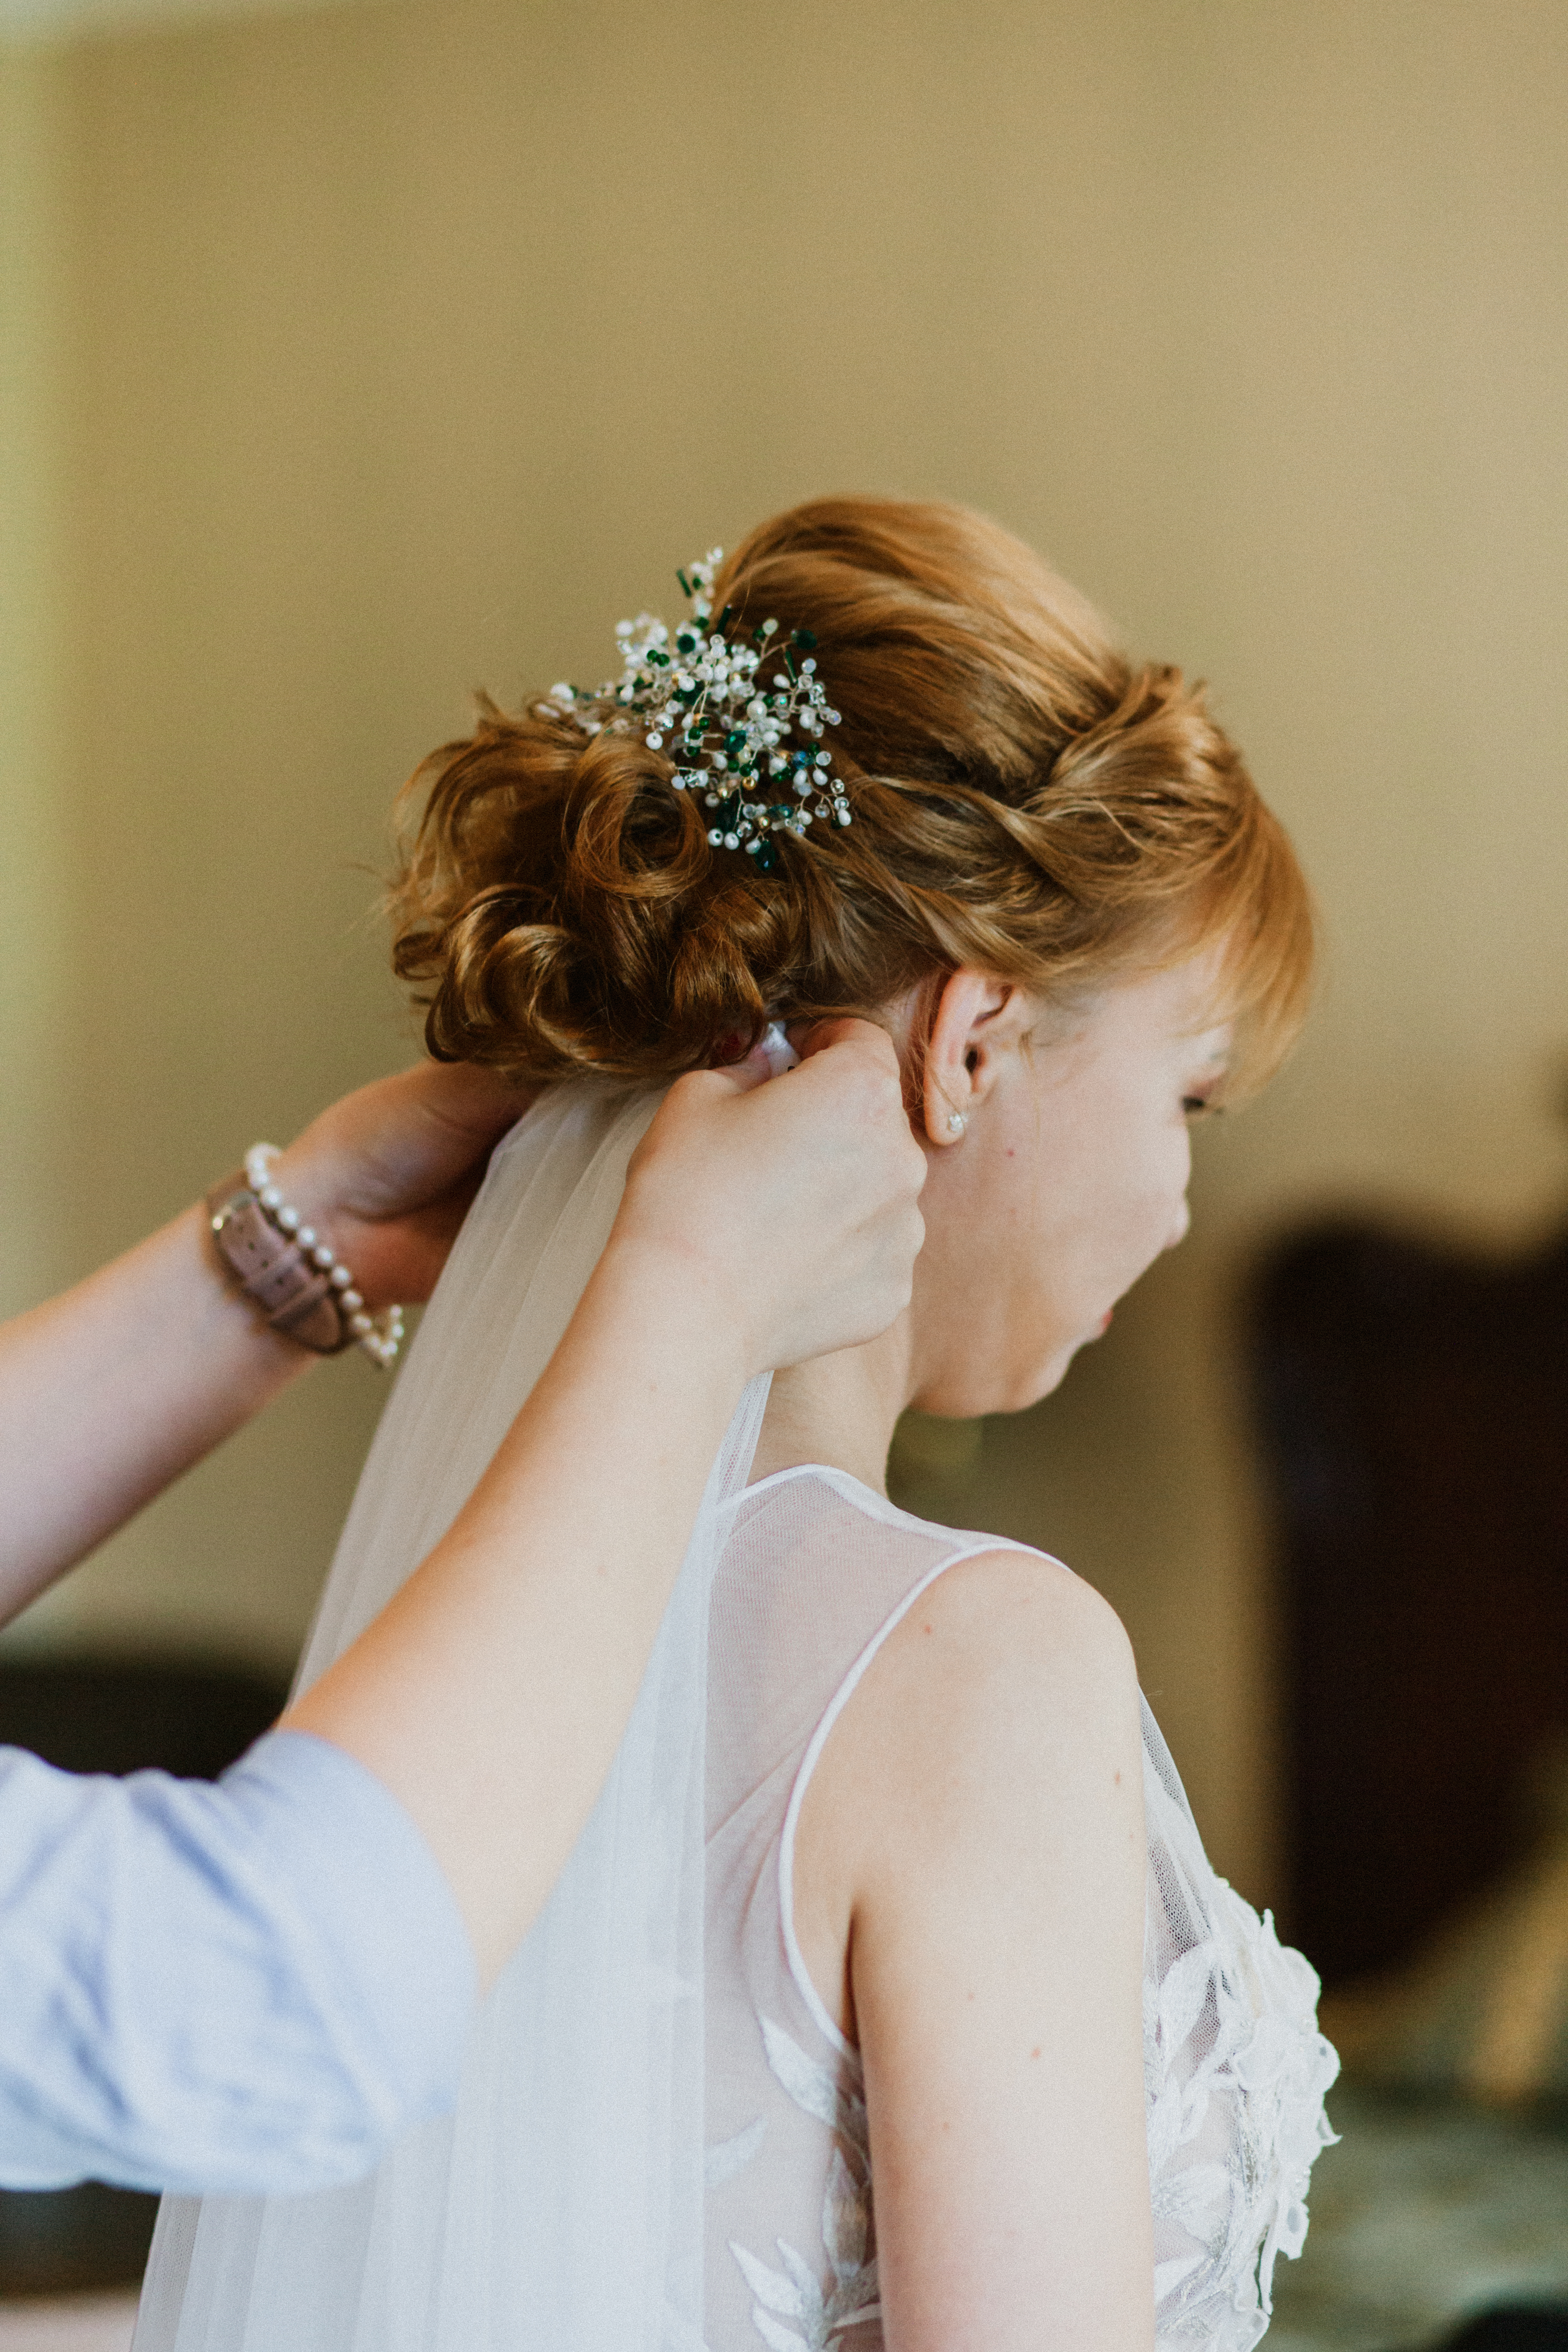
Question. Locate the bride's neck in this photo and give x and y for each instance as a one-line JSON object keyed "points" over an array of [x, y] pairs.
{"points": [[839, 1409]]}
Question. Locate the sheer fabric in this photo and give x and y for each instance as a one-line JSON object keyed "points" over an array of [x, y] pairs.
{"points": [[560, 2205], [561, 2208], [813, 1574]]}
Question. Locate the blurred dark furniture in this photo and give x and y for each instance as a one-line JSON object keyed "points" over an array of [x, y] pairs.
{"points": [[1413, 1400], [111, 1715], [1521, 2330]]}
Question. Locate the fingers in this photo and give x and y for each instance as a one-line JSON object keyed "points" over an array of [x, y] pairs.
{"points": [[740, 1077], [854, 1062], [798, 1198], [387, 1154], [404, 1140], [479, 1103], [810, 1038]]}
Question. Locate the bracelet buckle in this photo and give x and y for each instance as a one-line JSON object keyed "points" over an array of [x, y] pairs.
{"points": [[298, 1283]]}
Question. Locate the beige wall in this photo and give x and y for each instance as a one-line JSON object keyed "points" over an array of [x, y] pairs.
{"points": [[412, 344], [37, 879]]}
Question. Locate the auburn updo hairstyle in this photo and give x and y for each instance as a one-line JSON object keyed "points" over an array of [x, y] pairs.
{"points": [[1025, 799]]}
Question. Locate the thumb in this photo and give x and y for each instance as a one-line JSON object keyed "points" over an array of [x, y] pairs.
{"points": [[469, 1098], [740, 1077]]}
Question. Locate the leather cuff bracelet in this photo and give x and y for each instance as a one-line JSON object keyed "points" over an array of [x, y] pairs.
{"points": [[299, 1287]]}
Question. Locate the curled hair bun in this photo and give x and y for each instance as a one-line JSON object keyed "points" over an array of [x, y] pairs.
{"points": [[1024, 799]]}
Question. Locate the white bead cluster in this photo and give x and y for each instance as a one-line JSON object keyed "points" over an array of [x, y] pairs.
{"points": [[380, 1336], [725, 726]]}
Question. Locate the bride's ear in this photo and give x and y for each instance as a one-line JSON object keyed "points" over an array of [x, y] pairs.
{"points": [[970, 1031]]}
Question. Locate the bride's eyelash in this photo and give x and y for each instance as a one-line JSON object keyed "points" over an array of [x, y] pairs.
{"points": [[1200, 1106]]}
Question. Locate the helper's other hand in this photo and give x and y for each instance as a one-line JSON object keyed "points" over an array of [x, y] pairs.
{"points": [[388, 1173], [793, 1201]]}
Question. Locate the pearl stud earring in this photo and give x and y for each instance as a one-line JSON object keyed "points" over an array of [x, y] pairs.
{"points": [[956, 1123]]}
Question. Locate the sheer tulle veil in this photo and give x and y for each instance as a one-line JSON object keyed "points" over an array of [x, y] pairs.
{"points": [[560, 2207]]}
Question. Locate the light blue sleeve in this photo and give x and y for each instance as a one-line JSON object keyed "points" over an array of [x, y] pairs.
{"points": [[236, 1986]]}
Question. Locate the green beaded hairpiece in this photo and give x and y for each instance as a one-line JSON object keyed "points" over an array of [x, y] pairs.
{"points": [[725, 725]]}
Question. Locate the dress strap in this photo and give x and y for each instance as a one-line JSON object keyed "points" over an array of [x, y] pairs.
{"points": [[964, 1546]]}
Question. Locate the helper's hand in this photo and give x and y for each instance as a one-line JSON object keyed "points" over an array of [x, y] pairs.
{"points": [[112, 1391], [386, 1175], [761, 1223], [793, 1201]]}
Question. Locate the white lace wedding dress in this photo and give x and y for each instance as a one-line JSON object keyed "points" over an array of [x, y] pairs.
{"points": [[813, 1574], [561, 2208]]}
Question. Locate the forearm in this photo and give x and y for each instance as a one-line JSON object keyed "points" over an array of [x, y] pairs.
{"points": [[246, 1988], [491, 1695], [109, 1392]]}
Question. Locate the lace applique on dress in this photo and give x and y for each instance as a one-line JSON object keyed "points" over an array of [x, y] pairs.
{"points": [[815, 1576], [795, 2311], [1235, 2072]]}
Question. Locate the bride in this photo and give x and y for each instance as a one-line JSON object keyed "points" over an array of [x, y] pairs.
{"points": [[888, 1998]]}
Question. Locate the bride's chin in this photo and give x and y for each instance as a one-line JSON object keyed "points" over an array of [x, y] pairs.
{"points": [[968, 1391], [1048, 1379]]}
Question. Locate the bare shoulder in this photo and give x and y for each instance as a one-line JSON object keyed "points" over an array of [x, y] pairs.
{"points": [[1009, 1683], [975, 1896], [1013, 1617], [994, 1734]]}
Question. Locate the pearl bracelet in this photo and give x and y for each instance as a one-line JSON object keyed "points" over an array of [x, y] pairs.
{"points": [[380, 1336]]}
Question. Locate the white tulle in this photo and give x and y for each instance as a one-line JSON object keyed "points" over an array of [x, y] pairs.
{"points": [[560, 2206], [655, 2091]]}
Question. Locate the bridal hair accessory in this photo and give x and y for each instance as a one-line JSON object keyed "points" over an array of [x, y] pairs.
{"points": [[702, 697], [301, 1286]]}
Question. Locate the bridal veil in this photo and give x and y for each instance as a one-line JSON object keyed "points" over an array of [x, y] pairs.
{"points": [[559, 2207]]}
